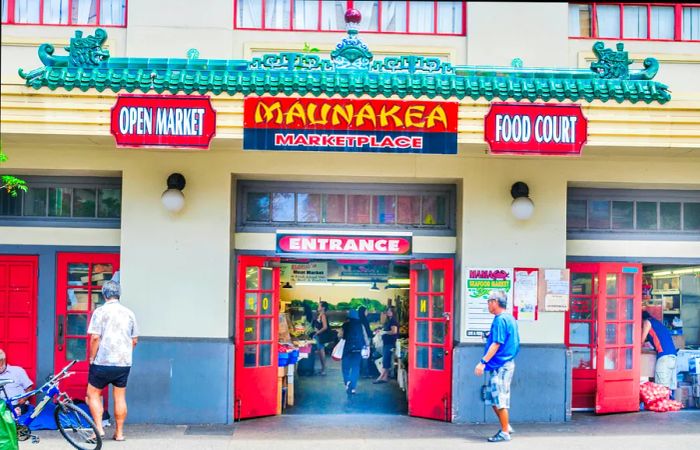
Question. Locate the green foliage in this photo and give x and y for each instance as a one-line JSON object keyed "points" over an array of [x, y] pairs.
{"points": [[9, 183], [309, 49]]}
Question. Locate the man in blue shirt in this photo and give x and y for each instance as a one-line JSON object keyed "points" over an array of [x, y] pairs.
{"points": [[500, 350]]}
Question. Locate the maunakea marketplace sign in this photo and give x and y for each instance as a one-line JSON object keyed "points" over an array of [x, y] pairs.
{"points": [[175, 121], [535, 129], [322, 244], [349, 125]]}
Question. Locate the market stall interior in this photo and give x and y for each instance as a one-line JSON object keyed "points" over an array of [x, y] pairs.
{"points": [[344, 286]]}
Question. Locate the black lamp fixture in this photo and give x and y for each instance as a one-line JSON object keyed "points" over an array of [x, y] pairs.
{"points": [[374, 286], [173, 200], [521, 207], [287, 285]]}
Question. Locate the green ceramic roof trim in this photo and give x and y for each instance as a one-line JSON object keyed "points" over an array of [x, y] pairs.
{"points": [[350, 71]]}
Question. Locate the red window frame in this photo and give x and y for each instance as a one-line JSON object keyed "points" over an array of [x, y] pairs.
{"points": [[350, 4], [11, 16], [677, 21]]}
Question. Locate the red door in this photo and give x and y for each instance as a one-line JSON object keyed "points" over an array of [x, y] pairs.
{"points": [[430, 339], [78, 292], [18, 302], [580, 336], [619, 337], [257, 308]]}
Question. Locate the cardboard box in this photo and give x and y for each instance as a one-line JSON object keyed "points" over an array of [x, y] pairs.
{"points": [[647, 364]]}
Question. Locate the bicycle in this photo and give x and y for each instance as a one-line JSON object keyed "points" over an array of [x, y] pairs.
{"points": [[75, 425]]}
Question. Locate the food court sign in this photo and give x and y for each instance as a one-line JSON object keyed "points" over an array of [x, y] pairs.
{"points": [[349, 125], [535, 129], [320, 244], [174, 121]]}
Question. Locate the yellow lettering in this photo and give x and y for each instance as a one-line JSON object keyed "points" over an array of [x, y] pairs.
{"points": [[268, 112], [384, 115], [423, 306], [296, 111], [437, 114], [415, 112], [366, 112], [345, 111], [265, 303], [313, 120]]}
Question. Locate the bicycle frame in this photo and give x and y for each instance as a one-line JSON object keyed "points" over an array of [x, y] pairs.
{"points": [[50, 390]]}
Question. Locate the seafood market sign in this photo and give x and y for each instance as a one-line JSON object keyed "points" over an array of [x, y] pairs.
{"points": [[171, 121], [480, 282], [535, 129], [349, 125]]}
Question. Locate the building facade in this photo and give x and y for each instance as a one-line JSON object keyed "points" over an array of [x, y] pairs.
{"points": [[97, 208]]}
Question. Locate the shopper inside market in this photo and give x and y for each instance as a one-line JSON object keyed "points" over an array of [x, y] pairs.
{"points": [[335, 292]]}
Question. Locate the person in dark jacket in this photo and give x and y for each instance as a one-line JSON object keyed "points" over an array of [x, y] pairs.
{"points": [[390, 332], [355, 340], [323, 335], [364, 364]]}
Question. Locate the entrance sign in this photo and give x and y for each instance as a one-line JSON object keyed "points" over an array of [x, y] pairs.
{"points": [[336, 244], [349, 125], [535, 129], [480, 282], [174, 121]]}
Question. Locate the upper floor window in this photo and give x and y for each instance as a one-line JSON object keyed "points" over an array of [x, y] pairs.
{"points": [[379, 16], [649, 21], [64, 201], [65, 12]]}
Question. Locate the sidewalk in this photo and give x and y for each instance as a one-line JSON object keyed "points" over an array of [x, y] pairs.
{"points": [[637, 431]]}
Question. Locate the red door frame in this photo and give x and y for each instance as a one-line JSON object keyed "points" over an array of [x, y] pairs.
{"points": [[18, 310], [612, 308], [430, 386], [257, 303], [87, 293]]}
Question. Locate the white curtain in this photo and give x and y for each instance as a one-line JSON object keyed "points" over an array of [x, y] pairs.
{"points": [[691, 23], [608, 19], [662, 26], [449, 17], [277, 14], [83, 8], [305, 14], [369, 15], [635, 22], [332, 12], [4, 11], [394, 16], [250, 13], [421, 17], [113, 12], [26, 11], [56, 11]]}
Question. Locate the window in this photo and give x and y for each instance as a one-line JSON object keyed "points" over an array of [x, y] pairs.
{"points": [[333, 205], [596, 212], [668, 22], [64, 201], [378, 16], [65, 12]]}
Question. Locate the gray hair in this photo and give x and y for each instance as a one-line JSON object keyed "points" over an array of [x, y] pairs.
{"points": [[111, 289], [500, 296], [2, 355]]}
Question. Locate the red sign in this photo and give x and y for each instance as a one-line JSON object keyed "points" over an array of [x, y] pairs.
{"points": [[175, 121], [355, 125], [535, 129], [331, 244]]}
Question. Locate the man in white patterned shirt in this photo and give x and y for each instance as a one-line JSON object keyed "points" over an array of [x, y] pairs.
{"points": [[113, 335]]}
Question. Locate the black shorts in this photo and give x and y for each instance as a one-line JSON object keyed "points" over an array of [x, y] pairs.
{"points": [[101, 376]]}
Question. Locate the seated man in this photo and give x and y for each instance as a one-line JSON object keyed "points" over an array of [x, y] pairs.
{"points": [[21, 382]]}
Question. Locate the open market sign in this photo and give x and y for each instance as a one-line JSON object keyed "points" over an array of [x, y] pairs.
{"points": [[535, 129], [349, 125], [173, 121]]}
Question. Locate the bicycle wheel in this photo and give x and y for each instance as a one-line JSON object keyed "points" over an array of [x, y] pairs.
{"points": [[77, 427]]}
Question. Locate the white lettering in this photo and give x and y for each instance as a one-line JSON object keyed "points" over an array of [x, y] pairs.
{"points": [[380, 245], [394, 245], [351, 245], [499, 119], [294, 244], [124, 120]]}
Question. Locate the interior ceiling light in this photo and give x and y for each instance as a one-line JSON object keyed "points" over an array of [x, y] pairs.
{"points": [[399, 281], [287, 285], [374, 287]]}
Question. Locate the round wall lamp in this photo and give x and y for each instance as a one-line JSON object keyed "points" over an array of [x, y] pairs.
{"points": [[173, 200], [522, 207]]}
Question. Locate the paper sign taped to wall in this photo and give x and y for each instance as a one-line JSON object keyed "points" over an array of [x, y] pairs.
{"points": [[525, 294], [553, 290]]}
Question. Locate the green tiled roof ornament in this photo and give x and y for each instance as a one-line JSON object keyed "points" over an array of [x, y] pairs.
{"points": [[615, 64], [351, 52]]}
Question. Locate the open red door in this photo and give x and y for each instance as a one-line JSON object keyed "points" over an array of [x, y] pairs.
{"points": [[430, 339], [257, 307], [79, 280], [18, 303], [619, 337]]}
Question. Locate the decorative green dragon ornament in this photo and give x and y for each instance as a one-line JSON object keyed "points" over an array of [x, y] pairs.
{"points": [[351, 70]]}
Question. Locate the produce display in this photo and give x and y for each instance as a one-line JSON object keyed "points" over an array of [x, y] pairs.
{"points": [[658, 398]]}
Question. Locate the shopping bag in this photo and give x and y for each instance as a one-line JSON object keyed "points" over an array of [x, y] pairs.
{"points": [[365, 352], [8, 431], [338, 350], [378, 342]]}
